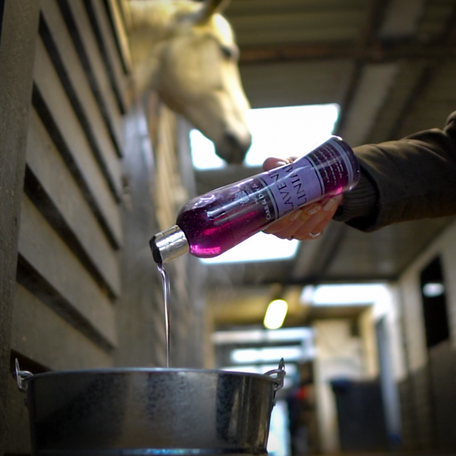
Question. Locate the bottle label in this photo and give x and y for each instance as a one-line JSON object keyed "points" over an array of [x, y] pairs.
{"points": [[306, 180]]}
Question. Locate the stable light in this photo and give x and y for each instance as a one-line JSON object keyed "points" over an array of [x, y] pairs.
{"points": [[347, 294], [275, 314], [433, 289], [268, 355]]}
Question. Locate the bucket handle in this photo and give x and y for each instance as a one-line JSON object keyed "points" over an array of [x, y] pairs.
{"points": [[20, 375], [277, 375]]}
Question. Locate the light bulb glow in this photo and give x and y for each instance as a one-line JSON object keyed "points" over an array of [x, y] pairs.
{"points": [[433, 289], [275, 314]]}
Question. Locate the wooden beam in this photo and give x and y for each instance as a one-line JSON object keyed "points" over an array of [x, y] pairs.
{"points": [[376, 12], [2, 8], [17, 48], [376, 53], [447, 50]]}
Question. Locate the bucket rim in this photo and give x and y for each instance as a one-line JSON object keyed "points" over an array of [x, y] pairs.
{"points": [[275, 376], [148, 370]]}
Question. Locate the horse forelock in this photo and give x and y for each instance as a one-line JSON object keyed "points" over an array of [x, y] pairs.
{"points": [[160, 15], [221, 29], [216, 26], [165, 18]]}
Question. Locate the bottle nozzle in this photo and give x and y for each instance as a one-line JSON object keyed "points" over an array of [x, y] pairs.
{"points": [[169, 244]]}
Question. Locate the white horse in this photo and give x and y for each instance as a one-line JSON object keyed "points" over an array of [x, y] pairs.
{"points": [[185, 50]]}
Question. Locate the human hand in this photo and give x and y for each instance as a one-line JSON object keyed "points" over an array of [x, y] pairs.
{"points": [[307, 222]]}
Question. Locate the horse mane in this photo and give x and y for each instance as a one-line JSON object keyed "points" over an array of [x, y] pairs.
{"points": [[161, 15]]}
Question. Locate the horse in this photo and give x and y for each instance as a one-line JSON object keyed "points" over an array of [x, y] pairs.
{"points": [[186, 52]]}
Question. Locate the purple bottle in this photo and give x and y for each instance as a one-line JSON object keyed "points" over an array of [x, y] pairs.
{"points": [[213, 223]]}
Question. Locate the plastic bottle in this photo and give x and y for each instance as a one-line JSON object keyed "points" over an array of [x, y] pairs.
{"points": [[213, 223]]}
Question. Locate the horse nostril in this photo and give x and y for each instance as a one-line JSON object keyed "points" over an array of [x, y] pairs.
{"points": [[233, 148], [232, 140], [239, 146]]}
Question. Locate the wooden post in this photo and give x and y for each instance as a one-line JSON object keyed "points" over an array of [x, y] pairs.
{"points": [[18, 28]]}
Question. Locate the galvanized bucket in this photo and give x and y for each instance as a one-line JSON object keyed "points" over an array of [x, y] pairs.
{"points": [[142, 411]]}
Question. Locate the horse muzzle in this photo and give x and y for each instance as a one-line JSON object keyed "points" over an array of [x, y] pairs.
{"points": [[233, 148]]}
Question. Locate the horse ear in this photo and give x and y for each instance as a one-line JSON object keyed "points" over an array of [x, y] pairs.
{"points": [[209, 8]]}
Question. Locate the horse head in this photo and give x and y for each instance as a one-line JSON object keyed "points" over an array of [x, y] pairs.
{"points": [[193, 65]]}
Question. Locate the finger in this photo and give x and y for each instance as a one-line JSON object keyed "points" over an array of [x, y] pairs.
{"points": [[309, 219], [273, 162], [301, 215], [318, 222], [281, 224], [284, 230], [288, 232]]}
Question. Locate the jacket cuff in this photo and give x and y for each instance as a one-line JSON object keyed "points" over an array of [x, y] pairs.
{"points": [[360, 202]]}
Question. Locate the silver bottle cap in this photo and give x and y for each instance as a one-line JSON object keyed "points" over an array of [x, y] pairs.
{"points": [[169, 244]]}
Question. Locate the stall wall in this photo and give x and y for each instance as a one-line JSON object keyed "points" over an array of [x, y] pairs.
{"points": [[91, 173], [428, 398]]}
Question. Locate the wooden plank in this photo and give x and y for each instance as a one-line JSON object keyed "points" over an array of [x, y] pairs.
{"points": [[76, 146], [117, 15], [19, 24], [112, 59], [45, 337], [60, 275], [85, 41], [2, 9], [167, 176], [68, 210], [63, 54], [17, 440]]}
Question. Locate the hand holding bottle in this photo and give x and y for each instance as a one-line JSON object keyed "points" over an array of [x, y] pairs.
{"points": [[305, 223], [213, 223]]}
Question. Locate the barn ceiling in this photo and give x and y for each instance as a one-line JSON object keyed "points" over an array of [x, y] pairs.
{"points": [[391, 67]]}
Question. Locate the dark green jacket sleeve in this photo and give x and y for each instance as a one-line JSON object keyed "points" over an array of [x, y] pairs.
{"points": [[409, 179]]}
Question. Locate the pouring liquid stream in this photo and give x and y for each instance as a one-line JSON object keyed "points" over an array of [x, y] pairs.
{"points": [[166, 294]]}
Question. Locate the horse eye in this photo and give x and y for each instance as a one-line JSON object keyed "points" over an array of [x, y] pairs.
{"points": [[227, 51]]}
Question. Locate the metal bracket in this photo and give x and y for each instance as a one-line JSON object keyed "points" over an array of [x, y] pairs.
{"points": [[20, 375], [278, 376]]}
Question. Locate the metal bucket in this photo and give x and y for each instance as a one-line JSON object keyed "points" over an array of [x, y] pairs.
{"points": [[142, 411]]}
